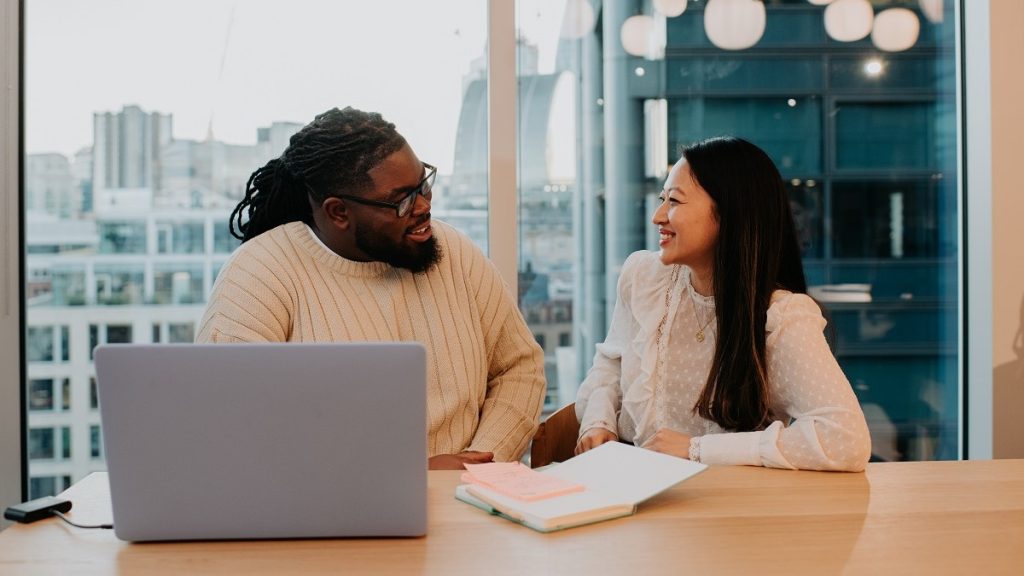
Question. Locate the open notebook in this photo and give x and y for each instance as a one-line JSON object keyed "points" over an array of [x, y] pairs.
{"points": [[616, 478]]}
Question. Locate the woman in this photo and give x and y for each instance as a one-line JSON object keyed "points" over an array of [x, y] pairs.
{"points": [[718, 383]]}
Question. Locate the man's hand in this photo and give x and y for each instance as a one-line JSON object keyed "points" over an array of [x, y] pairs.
{"points": [[594, 438], [456, 461], [669, 442]]}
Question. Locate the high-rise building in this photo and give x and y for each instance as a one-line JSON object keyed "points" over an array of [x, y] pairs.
{"points": [[126, 148], [50, 186]]}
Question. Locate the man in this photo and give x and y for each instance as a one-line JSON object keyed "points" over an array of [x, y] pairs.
{"points": [[338, 245]]}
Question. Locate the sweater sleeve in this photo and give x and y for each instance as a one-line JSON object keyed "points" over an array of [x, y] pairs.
{"points": [[515, 369], [599, 398], [249, 302], [827, 429]]}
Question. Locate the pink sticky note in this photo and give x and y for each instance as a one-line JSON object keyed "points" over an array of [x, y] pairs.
{"points": [[518, 481]]}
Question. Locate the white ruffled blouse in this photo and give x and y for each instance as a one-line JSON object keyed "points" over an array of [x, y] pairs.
{"points": [[638, 385]]}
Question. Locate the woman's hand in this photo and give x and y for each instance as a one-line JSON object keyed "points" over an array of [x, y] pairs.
{"points": [[669, 442], [594, 438]]}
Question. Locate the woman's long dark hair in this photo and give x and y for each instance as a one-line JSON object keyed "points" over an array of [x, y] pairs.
{"points": [[331, 154], [757, 253]]}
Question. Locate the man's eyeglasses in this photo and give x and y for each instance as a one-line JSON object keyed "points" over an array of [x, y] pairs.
{"points": [[403, 206]]}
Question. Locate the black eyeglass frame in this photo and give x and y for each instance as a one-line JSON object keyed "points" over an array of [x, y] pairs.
{"points": [[424, 188]]}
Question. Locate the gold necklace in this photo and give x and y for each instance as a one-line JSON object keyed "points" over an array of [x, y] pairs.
{"points": [[668, 296], [701, 326]]}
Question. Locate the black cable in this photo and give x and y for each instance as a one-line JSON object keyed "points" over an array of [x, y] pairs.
{"points": [[69, 521]]}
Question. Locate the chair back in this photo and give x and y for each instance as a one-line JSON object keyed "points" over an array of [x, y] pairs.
{"points": [[555, 440]]}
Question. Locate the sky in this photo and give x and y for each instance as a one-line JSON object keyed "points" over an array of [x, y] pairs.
{"points": [[235, 65]]}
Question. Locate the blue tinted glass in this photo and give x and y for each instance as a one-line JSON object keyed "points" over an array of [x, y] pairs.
{"points": [[885, 135], [786, 76], [789, 130]]}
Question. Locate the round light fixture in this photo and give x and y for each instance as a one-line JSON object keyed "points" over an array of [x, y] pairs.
{"points": [[819, 2], [670, 8], [933, 10], [636, 34], [578, 20], [849, 20], [895, 30], [734, 24]]}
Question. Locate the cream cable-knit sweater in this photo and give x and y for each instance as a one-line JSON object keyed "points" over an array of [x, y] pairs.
{"points": [[485, 372]]}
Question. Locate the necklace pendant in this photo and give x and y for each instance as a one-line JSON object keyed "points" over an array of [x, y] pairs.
{"points": [[699, 336]]}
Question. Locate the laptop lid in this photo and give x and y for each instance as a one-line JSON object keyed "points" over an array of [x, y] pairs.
{"points": [[233, 441]]}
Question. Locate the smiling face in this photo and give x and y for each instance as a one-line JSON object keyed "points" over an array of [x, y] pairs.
{"points": [[687, 221], [380, 234]]}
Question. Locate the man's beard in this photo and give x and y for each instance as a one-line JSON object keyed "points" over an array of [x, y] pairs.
{"points": [[416, 259]]}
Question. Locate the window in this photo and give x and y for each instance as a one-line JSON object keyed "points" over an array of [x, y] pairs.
{"points": [[118, 285], [40, 395], [40, 486], [866, 143], [117, 334], [122, 237], [126, 228], [65, 442], [181, 333], [180, 238], [178, 284], [65, 394], [223, 241], [136, 196], [40, 444], [95, 442], [65, 344], [39, 344]]}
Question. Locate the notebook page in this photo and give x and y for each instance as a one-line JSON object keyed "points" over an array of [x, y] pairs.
{"points": [[625, 473]]}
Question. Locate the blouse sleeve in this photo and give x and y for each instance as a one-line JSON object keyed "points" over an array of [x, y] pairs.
{"points": [[827, 430], [599, 398]]}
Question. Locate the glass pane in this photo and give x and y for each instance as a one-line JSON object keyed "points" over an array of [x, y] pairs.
{"points": [[897, 135], [40, 443], [95, 442], [181, 333], [722, 74], [65, 394], [122, 237], [40, 394], [180, 237], [131, 175], [223, 241], [65, 442], [41, 486], [549, 88], [178, 284], [119, 285], [119, 334], [891, 220], [65, 341], [39, 344], [788, 129], [68, 285], [866, 141]]}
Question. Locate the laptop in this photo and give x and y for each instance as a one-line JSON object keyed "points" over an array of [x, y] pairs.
{"points": [[252, 441]]}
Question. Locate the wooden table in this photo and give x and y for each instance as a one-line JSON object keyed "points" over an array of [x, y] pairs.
{"points": [[907, 518]]}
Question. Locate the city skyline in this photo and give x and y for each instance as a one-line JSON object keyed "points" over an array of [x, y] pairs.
{"points": [[231, 76]]}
